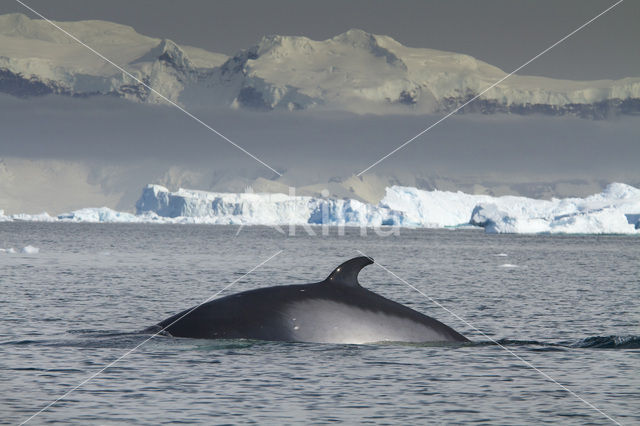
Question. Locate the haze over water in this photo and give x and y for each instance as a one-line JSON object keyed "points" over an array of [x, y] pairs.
{"points": [[564, 303]]}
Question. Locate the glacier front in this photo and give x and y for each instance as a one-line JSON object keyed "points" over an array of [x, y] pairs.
{"points": [[613, 211], [263, 209], [616, 210]]}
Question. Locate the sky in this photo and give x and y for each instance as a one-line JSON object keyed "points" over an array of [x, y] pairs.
{"points": [[504, 33]]}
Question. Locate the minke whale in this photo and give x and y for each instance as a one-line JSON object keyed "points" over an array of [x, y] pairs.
{"points": [[336, 310]]}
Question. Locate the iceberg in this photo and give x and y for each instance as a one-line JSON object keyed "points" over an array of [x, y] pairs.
{"points": [[41, 217], [432, 209], [616, 210], [30, 250], [263, 209]]}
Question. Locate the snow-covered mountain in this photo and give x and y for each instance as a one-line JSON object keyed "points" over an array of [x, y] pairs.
{"points": [[355, 71], [37, 59]]}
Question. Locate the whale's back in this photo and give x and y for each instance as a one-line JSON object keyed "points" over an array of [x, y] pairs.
{"points": [[320, 312]]}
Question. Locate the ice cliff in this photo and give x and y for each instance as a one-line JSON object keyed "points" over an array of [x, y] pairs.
{"points": [[616, 210]]}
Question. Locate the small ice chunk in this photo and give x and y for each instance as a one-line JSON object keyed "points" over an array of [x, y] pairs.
{"points": [[30, 250], [508, 265]]}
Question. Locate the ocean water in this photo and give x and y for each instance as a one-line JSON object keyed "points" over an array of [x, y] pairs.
{"points": [[566, 304]]}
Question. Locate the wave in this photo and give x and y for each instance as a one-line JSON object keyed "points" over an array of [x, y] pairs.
{"points": [[592, 342], [102, 338], [608, 342]]}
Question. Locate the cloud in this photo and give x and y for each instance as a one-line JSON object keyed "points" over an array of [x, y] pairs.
{"points": [[102, 151], [319, 145]]}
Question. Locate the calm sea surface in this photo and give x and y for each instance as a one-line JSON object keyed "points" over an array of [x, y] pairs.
{"points": [[569, 305]]}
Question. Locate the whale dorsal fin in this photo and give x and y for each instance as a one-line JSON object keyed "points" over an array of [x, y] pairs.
{"points": [[347, 273]]}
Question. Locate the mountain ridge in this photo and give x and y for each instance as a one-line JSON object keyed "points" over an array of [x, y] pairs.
{"points": [[355, 71]]}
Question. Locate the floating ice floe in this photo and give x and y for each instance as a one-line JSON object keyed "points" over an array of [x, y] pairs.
{"points": [[614, 211], [101, 214], [30, 250]]}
